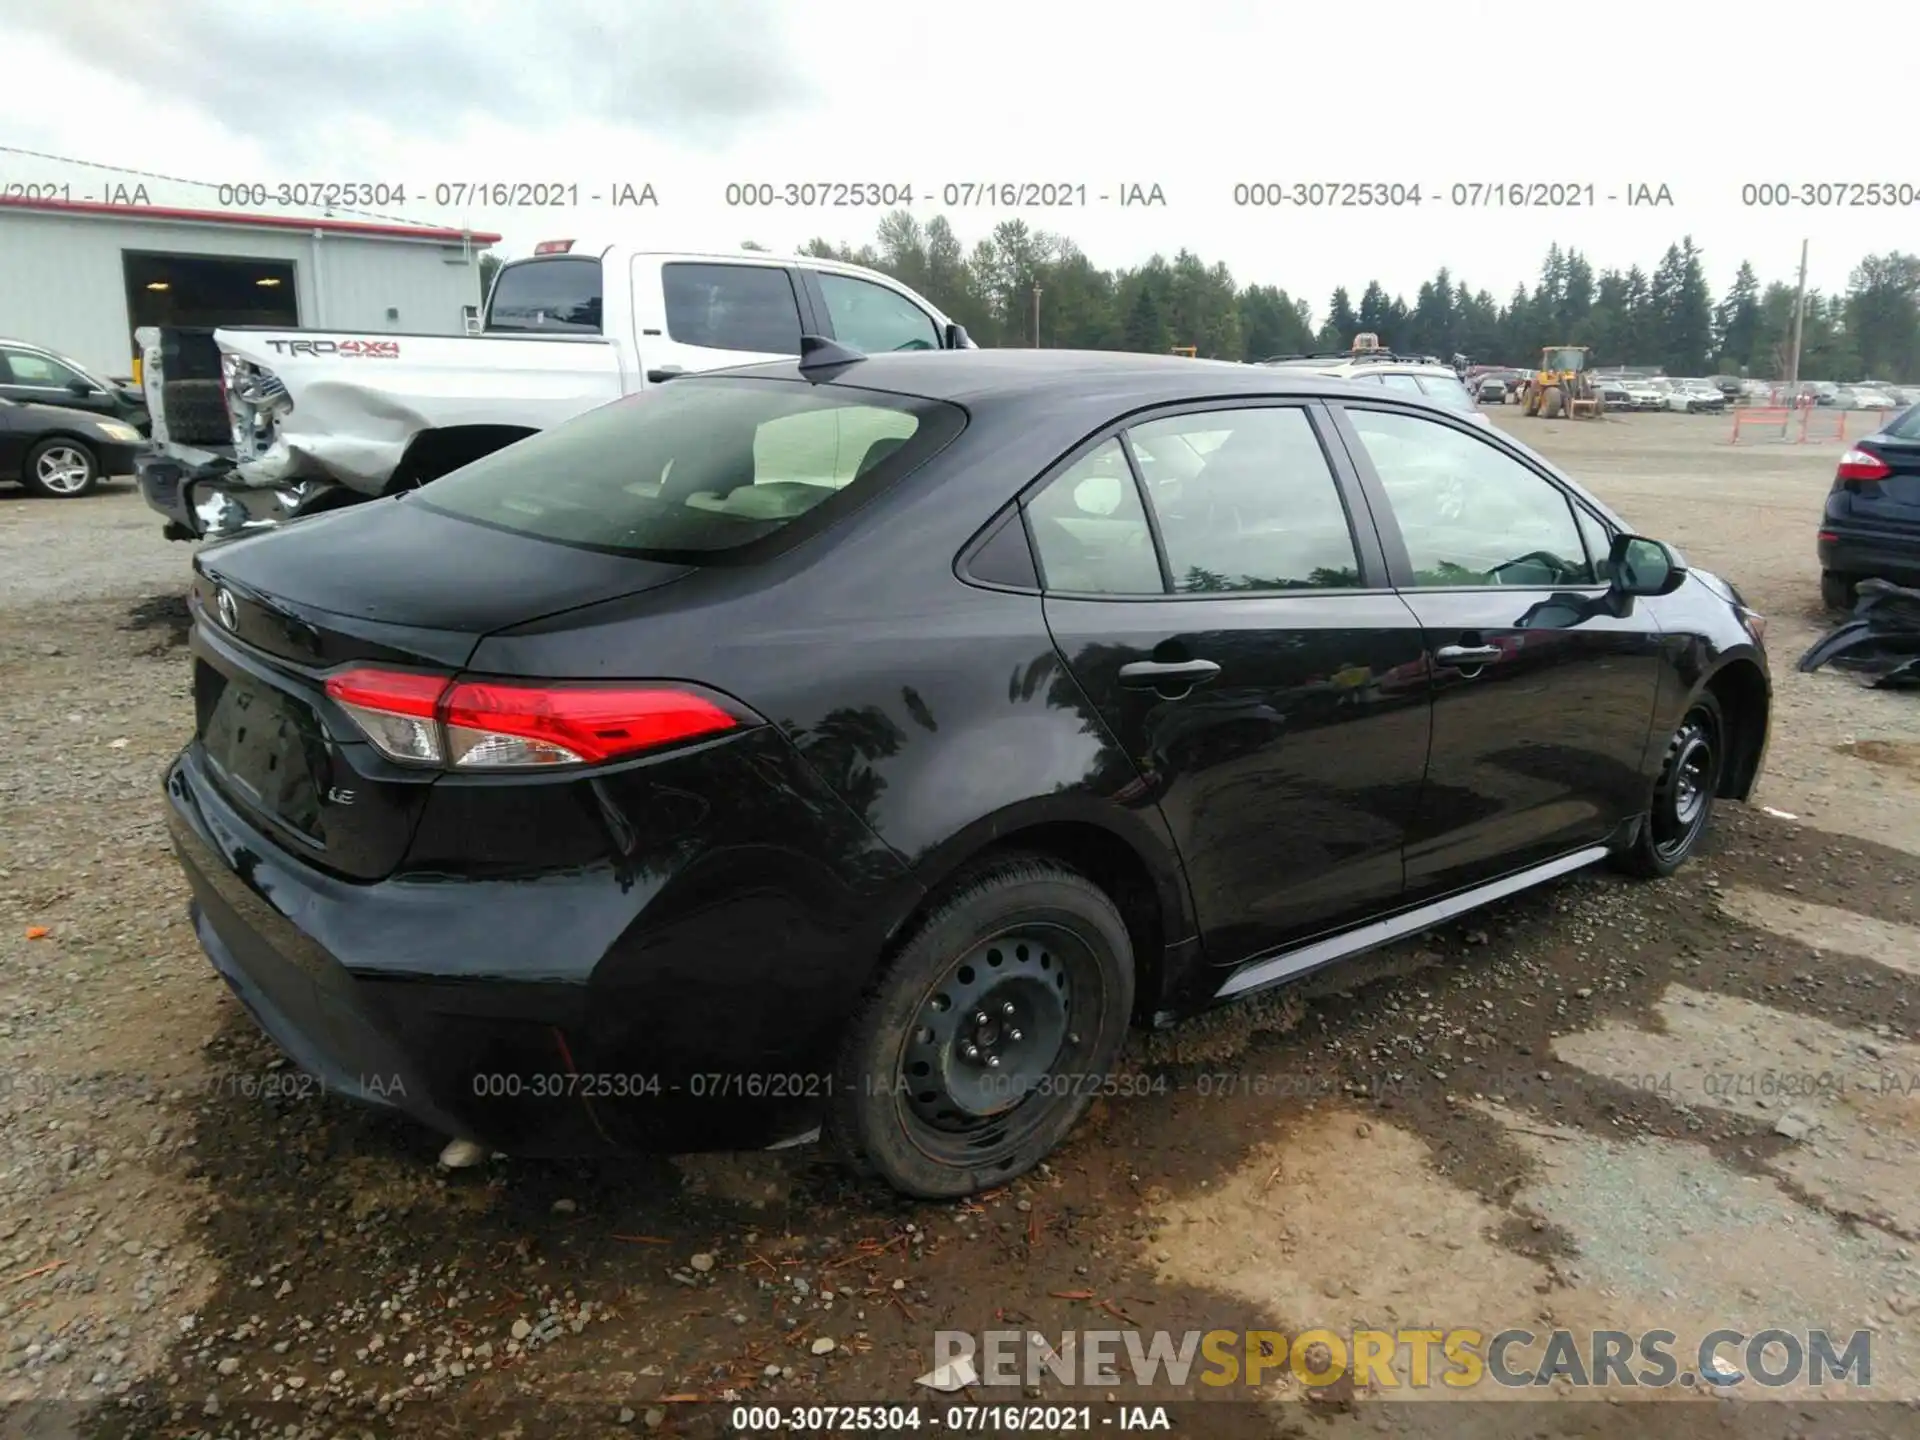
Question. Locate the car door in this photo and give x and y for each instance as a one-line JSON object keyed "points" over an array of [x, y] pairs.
{"points": [[716, 313], [33, 378], [871, 318], [1544, 681], [1237, 634]]}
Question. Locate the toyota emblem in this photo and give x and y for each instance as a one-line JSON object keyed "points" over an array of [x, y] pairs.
{"points": [[229, 611]]}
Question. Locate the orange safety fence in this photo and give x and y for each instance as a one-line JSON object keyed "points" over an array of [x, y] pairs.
{"points": [[1796, 424]]}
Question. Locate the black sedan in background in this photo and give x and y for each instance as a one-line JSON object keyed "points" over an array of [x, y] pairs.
{"points": [[35, 375], [62, 454], [1870, 528], [866, 742]]}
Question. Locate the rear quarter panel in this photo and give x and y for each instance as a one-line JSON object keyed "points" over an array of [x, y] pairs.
{"points": [[938, 711]]}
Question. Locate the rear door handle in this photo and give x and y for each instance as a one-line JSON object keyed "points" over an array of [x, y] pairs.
{"points": [[1466, 654], [1164, 674]]}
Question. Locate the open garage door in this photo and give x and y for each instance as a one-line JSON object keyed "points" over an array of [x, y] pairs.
{"points": [[205, 291]]}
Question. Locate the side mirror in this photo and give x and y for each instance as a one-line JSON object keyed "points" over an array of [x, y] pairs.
{"points": [[956, 338], [79, 387], [1639, 566]]}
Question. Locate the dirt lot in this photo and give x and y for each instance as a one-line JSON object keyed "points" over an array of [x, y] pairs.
{"points": [[1602, 1106]]}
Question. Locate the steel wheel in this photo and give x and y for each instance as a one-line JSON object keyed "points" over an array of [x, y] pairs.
{"points": [[61, 469], [1681, 809], [990, 1033], [1686, 789]]}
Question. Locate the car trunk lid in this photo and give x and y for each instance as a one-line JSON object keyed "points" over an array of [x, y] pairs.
{"points": [[387, 583], [1893, 501]]}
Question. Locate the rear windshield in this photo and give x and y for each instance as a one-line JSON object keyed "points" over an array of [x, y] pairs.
{"points": [[555, 295], [1907, 427], [699, 468]]}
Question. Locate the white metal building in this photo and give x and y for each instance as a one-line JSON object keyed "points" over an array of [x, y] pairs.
{"points": [[80, 278]]}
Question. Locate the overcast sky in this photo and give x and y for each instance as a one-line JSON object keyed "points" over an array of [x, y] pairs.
{"points": [[689, 95]]}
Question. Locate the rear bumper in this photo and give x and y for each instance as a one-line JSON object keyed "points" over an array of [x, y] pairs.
{"points": [[163, 484], [1870, 554], [587, 1013], [212, 502]]}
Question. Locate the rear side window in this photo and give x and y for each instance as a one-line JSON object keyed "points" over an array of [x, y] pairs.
{"points": [[699, 468], [560, 295], [1449, 392], [732, 307], [1091, 530], [1263, 512]]}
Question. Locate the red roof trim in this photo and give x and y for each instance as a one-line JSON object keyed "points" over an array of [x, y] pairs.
{"points": [[260, 222]]}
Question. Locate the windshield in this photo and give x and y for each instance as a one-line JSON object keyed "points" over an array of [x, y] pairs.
{"points": [[699, 467]]}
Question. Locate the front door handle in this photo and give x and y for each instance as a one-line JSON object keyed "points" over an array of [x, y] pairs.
{"points": [[1166, 674], [1466, 654]]}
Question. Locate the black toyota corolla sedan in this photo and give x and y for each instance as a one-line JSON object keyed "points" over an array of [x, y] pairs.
{"points": [[863, 743]]}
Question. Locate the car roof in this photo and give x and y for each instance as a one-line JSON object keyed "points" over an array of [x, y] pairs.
{"points": [[1111, 380], [1414, 367]]}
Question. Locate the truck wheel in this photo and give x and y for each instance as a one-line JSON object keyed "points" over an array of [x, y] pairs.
{"points": [[60, 469]]}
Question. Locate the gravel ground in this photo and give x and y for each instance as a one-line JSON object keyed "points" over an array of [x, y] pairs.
{"points": [[1470, 1129]]}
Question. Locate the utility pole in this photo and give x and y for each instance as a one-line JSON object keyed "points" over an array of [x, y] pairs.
{"points": [[1799, 322], [1036, 317]]}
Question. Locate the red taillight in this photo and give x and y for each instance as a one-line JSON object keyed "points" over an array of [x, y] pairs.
{"points": [[553, 247], [512, 725], [490, 724], [1861, 464]]}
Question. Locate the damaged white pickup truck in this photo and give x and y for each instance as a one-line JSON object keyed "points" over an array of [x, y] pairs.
{"points": [[254, 427]]}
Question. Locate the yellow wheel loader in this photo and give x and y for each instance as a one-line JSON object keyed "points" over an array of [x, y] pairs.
{"points": [[1561, 386]]}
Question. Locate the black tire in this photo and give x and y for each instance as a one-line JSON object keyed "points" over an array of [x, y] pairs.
{"points": [[910, 1107], [60, 468], [1682, 805], [1836, 590], [196, 412]]}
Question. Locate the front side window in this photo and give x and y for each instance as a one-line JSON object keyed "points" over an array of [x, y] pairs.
{"points": [[872, 318], [1090, 530], [1469, 513], [732, 307], [28, 368], [1599, 541], [696, 468], [1263, 512]]}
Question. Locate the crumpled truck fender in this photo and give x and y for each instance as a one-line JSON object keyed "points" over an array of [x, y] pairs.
{"points": [[351, 434]]}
